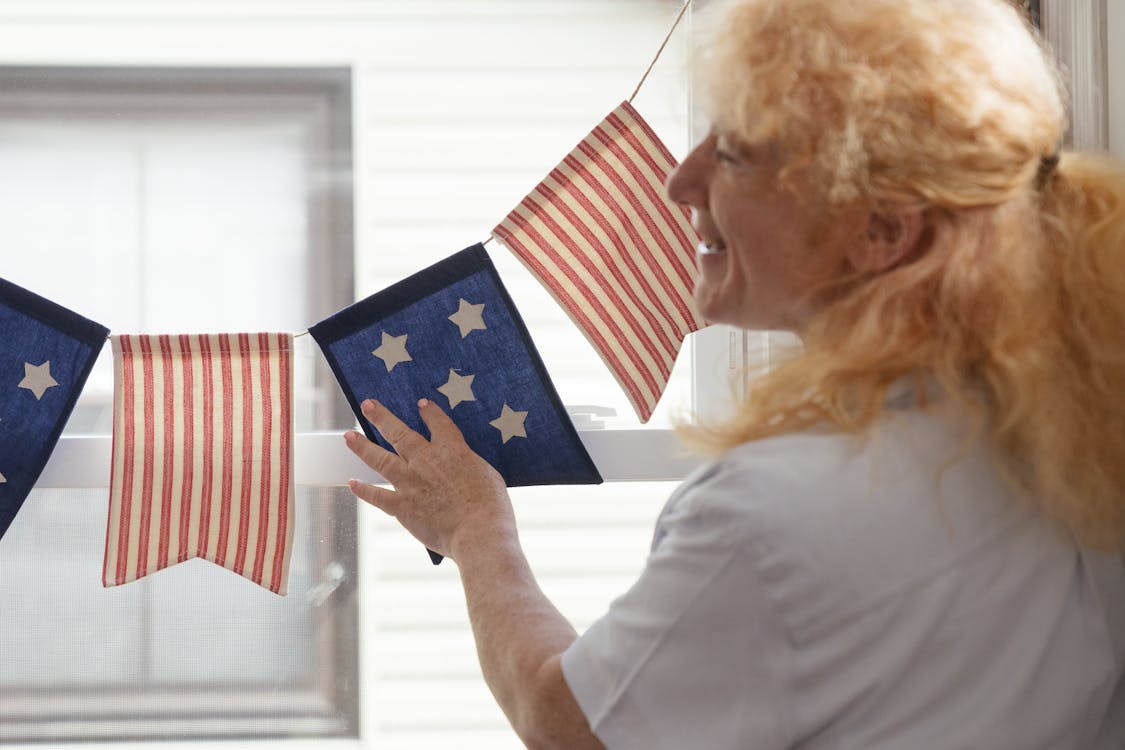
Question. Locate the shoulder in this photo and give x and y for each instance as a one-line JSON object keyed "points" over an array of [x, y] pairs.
{"points": [[836, 523], [757, 468], [898, 466], [801, 477]]}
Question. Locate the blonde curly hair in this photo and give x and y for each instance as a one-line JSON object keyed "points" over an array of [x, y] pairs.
{"points": [[1017, 304]]}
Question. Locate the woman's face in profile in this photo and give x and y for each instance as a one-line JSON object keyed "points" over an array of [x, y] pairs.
{"points": [[766, 250]]}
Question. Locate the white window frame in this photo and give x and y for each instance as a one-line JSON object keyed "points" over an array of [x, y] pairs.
{"points": [[323, 706], [1078, 32], [321, 460]]}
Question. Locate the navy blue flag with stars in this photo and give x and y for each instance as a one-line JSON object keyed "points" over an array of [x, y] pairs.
{"points": [[46, 353], [450, 333]]}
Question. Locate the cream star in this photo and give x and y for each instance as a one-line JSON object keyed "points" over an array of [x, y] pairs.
{"points": [[3, 479], [510, 423], [37, 378], [458, 388], [392, 350], [469, 317]]}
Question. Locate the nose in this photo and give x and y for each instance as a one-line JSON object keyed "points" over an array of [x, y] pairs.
{"points": [[687, 183]]}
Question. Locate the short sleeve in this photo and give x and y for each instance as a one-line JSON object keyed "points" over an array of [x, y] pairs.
{"points": [[693, 655]]}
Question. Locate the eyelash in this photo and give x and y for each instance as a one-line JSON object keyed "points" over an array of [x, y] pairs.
{"points": [[725, 156]]}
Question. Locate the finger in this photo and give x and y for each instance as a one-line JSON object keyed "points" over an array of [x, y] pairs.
{"points": [[442, 427], [389, 466], [404, 440], [380, 497]]}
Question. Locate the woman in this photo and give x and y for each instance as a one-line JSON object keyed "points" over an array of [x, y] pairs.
{"points": [[910, 534]]}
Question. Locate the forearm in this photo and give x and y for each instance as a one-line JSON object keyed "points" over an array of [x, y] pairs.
{"points": [[453, 501], [520, 636]]}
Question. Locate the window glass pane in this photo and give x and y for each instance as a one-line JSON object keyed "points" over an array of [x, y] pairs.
{"points": [[190, 641], [191, 211], [210, 223]]}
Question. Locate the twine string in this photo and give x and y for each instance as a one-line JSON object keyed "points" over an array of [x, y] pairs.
{"points": [[683, 9]]}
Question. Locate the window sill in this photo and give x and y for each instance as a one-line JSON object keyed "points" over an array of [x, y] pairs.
{"points": [[621, 455]]}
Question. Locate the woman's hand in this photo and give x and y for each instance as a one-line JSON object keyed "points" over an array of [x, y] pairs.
{"points": [[455, 503], [444, 493]]}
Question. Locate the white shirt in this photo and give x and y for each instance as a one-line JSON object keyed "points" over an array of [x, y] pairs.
{"points": [[825, 591]]}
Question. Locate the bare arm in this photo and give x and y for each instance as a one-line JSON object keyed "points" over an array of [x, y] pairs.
{"points": [[456, 504]]}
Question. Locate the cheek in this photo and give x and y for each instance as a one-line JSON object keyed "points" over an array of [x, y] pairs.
{"points": [[725, 288]]}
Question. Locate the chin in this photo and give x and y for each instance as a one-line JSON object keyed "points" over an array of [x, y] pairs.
{"points": [[714, 317], [733, 318]]}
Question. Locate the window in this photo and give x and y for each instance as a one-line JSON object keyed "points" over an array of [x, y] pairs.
{"points": [[159, 200]]}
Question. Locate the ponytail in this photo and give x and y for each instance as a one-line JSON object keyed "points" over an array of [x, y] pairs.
{"points": [[1075, 440]]}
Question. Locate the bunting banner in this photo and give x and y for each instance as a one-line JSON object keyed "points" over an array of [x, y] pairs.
{"points": [[451, 333], [619, 257], [203, 428], [45, 358], [202, 455]]}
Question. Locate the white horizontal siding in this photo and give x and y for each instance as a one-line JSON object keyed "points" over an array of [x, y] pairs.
{"points": [[455, 146], [586, 547]]}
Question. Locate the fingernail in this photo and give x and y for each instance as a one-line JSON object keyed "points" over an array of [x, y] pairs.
{"points": [[423, 403], [352, 484], [350, 436]]}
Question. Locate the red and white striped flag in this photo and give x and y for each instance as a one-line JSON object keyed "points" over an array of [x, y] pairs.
{"points": [[619, 257], [202, 455]]}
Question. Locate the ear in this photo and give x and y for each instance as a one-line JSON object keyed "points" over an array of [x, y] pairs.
{"points": [[891, 236]]}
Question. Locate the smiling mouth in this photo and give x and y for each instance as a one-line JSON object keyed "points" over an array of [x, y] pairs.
{"points": [[711, 247]]}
